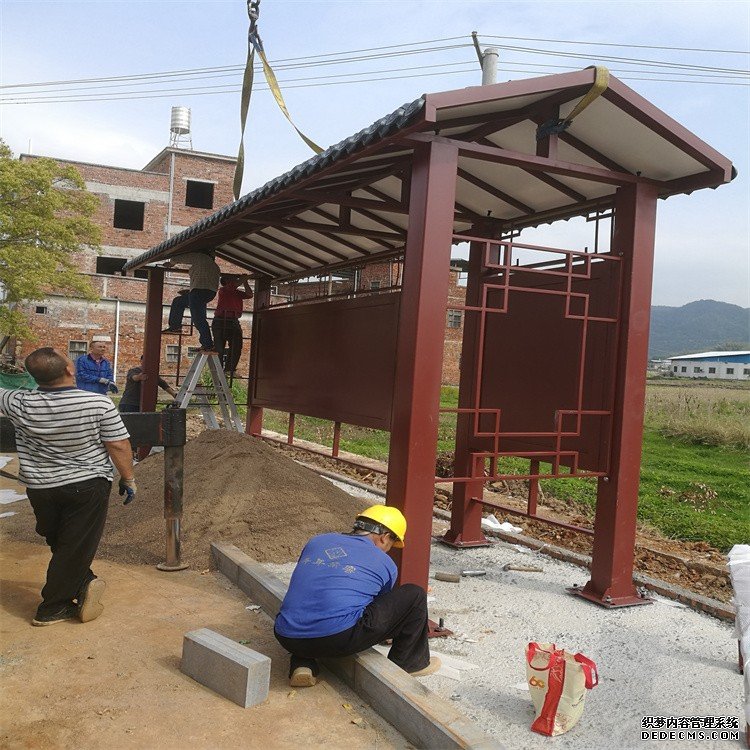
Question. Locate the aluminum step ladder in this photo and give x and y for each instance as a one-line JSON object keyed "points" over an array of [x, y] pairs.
{"points": [[192, 387]]}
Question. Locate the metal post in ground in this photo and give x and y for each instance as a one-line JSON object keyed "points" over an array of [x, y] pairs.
{"points": [[173, 424], [611, 582], [419, 350], [261, 300]]}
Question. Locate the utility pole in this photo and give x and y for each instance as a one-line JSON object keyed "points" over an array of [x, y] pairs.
{"points": [[489, 66], [487, 61]]}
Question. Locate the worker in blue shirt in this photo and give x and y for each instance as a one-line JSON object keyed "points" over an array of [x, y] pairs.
{"points": [[93, 370], [341, 600]]}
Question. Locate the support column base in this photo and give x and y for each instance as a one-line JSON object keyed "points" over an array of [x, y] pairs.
{"points": [[630, 600], [435, 631], [457, 542], [171, 568]]}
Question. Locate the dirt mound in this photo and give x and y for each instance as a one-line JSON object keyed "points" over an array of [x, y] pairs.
{"points": [[236, 489]]}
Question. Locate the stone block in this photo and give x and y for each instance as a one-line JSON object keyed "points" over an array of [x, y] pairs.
{"points": [[226, 667]]}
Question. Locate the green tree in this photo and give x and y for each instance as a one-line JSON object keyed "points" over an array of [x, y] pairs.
{"points": [[45, 218]]}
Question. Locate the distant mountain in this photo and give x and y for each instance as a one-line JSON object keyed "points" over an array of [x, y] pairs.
{"points": [[701, 326]]}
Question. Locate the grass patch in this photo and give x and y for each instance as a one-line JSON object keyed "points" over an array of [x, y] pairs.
{"points": [[700, 413]]}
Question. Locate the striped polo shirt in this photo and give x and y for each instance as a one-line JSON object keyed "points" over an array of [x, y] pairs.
{"points": [[60, 434]]}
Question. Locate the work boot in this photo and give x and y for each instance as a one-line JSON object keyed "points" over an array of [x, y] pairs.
{"points": [[302, 677], [431, 668], [89, 604], [68, 612]]}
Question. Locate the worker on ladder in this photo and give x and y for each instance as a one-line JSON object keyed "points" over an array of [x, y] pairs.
{"points": [[204, 282]]}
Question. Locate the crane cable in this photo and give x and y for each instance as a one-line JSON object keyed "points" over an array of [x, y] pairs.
{"points": [[254, 44]]}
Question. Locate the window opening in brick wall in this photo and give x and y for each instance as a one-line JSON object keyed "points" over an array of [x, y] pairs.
{"points": [[199, 194], [454, 318], [730, 370], [746, 371], [41, 310], [711, 370], [129, 214], [683, 369], [697, 369], [77, 348], [172, 353], [675, 368], [111, 266], [375, 284], [192, 351]]}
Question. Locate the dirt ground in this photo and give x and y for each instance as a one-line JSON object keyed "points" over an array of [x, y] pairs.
{"points": [[237, 489], [115, 682]]}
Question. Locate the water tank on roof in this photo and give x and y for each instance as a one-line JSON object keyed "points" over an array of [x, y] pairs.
{"points": [[179, 128], [180, 124]]}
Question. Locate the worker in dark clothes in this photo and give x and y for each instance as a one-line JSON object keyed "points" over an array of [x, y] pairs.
{"points": [[226, 326], [68, 440], [131, 397], [204, 281], [341, 600]]}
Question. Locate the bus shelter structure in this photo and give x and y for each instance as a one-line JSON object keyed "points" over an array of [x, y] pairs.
{"points": [[554, 347]]}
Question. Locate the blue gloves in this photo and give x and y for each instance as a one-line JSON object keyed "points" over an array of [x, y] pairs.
{"points": [[127, 487]]}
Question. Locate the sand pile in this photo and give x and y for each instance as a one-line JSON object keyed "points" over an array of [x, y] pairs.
{"points": [[236, 489]]}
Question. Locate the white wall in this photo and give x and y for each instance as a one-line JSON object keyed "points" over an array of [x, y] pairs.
{"points": [[740, 371]]}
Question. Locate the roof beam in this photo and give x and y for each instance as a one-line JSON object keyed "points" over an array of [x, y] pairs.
{"points": [[319, 197], [271, 251], [293, 248], [536, 163], [492, 190], [275, 268], [325, 229]]}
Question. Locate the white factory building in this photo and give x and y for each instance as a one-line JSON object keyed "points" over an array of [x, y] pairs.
{"points": [[712, 365]]}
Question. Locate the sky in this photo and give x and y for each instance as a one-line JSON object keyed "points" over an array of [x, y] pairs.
{"points": [[702, 241]]}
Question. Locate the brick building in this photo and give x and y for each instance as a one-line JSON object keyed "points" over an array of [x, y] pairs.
{"points": [[138, 208]]}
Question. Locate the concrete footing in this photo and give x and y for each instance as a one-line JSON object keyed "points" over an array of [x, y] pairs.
{"points": [[226, 667], [423, 718]]}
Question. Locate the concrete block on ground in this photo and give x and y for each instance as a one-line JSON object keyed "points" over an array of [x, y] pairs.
{"points": [[226, 667]]}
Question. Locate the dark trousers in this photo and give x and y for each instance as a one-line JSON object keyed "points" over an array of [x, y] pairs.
{"points": [[197, 300], [71, 518], [401, 615], [228, 341]]}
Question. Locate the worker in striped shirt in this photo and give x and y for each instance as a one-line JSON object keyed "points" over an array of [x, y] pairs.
{"points": [[67, 440]]}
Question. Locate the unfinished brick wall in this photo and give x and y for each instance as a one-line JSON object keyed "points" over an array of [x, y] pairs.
{"points": [[67, 320]]}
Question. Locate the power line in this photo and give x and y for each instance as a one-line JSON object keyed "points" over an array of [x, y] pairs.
{"points": [[275, 63], [191, 92], [613, 44], [337, 58]]}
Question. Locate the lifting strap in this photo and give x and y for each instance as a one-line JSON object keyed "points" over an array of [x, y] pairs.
{"points": [[601, 81], [254, 44]]}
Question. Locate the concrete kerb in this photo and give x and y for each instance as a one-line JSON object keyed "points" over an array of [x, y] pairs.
{"points": [[422, 717]]}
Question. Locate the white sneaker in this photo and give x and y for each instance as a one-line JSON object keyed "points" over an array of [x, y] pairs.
{"points": [[89, 604], [302, 677]]}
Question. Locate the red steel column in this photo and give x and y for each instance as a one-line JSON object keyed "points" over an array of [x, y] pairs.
{"points": [[419, 352], [611, 581], [466, 515], [152, 339], [261, 300]]}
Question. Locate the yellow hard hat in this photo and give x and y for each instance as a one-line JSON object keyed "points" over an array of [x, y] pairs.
{"points": [[383, 517]]}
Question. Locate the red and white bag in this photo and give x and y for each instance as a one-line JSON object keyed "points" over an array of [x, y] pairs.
{"points": [[558, 682]]}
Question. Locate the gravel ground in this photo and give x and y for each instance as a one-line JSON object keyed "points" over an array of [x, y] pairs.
{"points": [[662, 659]]}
